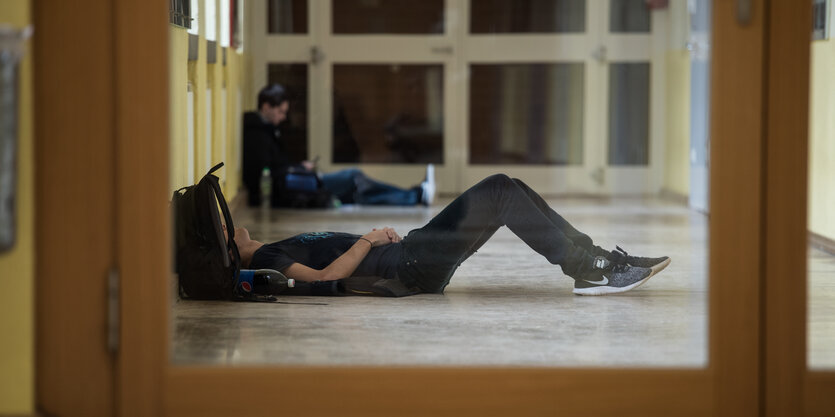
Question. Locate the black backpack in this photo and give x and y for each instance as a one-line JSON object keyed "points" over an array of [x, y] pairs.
{"points": [[208, 266]]}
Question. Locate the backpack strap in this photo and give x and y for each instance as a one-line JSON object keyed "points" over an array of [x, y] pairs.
{"points": [[215, 168], [230, 227]]}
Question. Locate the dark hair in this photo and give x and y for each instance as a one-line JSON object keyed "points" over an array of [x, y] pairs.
{"points": [[273, 94]]}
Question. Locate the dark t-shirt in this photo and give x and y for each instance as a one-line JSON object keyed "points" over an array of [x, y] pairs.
{"points": [[318, 250]]}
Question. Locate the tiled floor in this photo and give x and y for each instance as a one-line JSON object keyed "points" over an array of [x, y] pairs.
{"points": [[505, 306], [821, 324]]}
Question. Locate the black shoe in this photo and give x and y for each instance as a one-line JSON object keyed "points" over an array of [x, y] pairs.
{"points": [[655, 264], [607, 277]]}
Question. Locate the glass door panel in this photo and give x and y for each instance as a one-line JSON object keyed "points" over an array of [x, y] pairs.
{"points": [[531, 96], [388, 113], [362, 17], [294, 129], [530, 114], [821, 314], [634, 49], [287, 17], [629, 16], [821, 195], [528, 16], [628, 113]]}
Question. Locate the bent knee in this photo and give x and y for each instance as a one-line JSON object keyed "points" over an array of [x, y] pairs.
{"points": [[355, 172], [499, 179]]}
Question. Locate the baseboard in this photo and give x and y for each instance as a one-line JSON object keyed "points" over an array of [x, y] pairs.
{"points": [[822, 242], [674, 196]]}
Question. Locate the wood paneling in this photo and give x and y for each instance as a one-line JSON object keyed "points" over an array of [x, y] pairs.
{"points": [[785, 230], [75, 205], [818, 397], [456, 392], [736, 131], [143, 236], [101, 155]]}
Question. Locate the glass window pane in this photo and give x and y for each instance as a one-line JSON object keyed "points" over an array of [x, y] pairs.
{"points": [[211, 21], [294, 129], [821, 292], [224, 23], [527, 16], [821, 205], [629, 16], [629, 114], [388, 16], [287, 16], [527, 113], [389, 113], [195, 19]]}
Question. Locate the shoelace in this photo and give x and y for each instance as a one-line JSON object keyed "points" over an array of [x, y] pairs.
{"points": [[619, 257]]}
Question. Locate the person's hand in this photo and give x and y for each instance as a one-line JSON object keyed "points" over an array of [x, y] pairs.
{"points": [[384, 236], [308, 165]]}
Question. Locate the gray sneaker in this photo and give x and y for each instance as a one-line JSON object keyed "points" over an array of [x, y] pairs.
{"points": [[607, 277], [655, 264]]}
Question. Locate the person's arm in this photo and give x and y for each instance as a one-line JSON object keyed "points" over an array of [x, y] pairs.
{"points": [[345, 264]]}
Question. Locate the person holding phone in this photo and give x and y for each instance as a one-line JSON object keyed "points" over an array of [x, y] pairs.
{"points": [[264, 147]]}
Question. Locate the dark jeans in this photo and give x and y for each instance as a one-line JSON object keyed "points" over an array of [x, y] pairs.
{"points": [[353, 186], [432, 253], [348, 185]]}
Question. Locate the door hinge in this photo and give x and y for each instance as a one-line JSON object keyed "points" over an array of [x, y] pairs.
{"points": [[113, 308], [599, 176]]}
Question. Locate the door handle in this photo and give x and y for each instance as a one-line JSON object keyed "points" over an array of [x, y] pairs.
{"points": [[598, 175], [599, 54], [447, 50], [316, 55]]}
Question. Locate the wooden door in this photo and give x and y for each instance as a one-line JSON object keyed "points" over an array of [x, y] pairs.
{"points": [[102, 206]]}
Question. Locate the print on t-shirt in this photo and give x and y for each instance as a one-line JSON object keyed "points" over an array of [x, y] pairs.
{"points": [[314, 236]]}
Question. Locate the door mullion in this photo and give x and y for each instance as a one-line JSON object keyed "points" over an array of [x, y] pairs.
{"points": [[320, 81]]}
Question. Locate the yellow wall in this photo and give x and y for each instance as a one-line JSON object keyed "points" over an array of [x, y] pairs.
{"points": [[822, 138], [178, 96], [677, 102], [677, 147], [224, 143], [17, 267]]}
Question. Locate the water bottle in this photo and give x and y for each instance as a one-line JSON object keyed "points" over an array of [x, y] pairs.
{"points": [[266, 184], [264, 282]]}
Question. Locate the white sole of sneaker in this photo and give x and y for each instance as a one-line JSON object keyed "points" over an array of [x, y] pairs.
{"points": [[658, 268], [604, 290]]}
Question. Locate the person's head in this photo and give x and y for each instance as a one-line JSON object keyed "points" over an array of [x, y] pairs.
{"points": [[273, 103], [241, 235], [246, 246]]}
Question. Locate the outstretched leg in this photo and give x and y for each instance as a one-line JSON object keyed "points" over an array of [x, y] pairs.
{"points": [[353, 186], [433, 252]]}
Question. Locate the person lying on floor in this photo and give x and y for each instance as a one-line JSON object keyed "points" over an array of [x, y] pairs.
{"points": [[425, 260]]}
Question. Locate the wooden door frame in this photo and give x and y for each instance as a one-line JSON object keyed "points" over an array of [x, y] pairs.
{"points": [[104, 182], [101, 152], [789, 385], [75, 210]]}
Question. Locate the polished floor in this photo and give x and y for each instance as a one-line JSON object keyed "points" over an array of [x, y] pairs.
{"points": [[821, 298], [505, 306]]}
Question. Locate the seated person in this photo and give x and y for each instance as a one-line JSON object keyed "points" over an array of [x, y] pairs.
{"points": [[263, 146], [425, 260]]}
